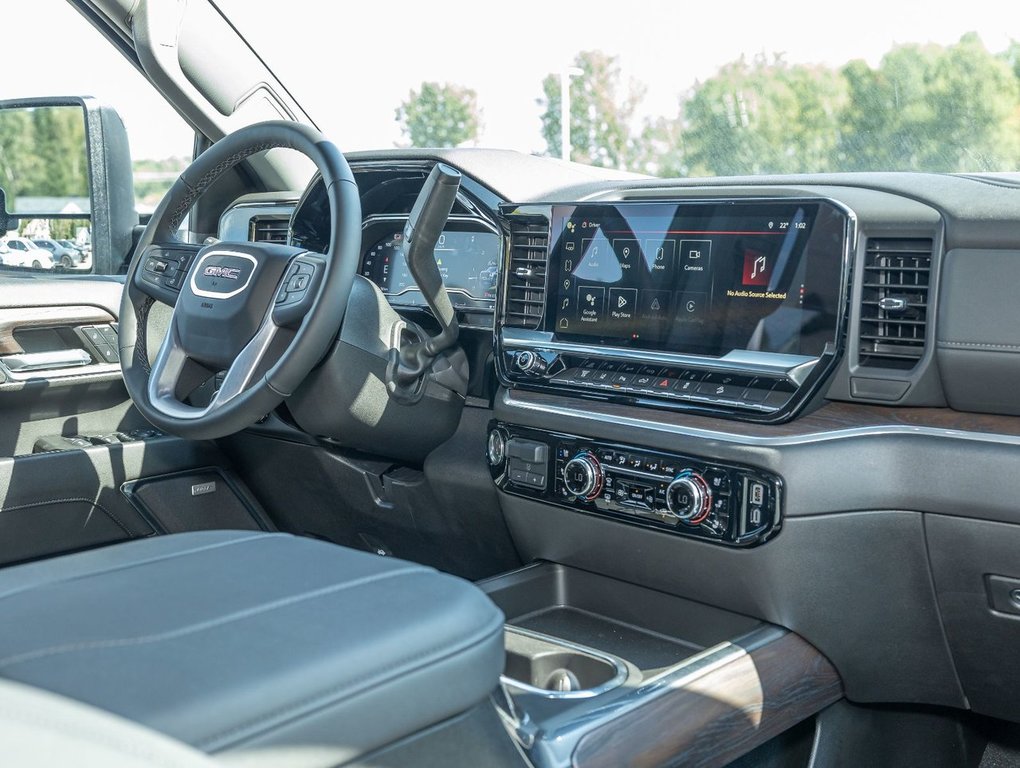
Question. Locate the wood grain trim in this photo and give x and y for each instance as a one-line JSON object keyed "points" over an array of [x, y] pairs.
{"points": [[19, 318], [721, 713], [830, 417]]}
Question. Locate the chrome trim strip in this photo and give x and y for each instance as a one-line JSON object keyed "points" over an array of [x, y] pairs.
{"points": [[213, 294], [755, 440]]}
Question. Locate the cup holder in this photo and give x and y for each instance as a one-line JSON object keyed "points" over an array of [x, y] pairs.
{"points": [[554, 668]]}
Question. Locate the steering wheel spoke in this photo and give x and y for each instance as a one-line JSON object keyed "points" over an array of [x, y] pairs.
{"points": [[173, 376], [255, 358]]}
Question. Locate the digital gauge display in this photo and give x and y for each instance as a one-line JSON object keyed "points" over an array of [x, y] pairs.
{"points": [[467, 255]]}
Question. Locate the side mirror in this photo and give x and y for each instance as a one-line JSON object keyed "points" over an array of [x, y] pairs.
{"points": [[66, 187]]}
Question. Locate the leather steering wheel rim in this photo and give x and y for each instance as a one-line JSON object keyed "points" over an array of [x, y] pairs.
{"points": [[270, 374]]}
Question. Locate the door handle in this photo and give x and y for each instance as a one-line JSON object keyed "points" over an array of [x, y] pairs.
{"points": [[45, 361]]}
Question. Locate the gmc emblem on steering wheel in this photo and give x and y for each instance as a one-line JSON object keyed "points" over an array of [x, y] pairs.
{"points": [[231, 273]]}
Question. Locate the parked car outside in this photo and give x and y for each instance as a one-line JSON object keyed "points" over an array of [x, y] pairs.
{"points": [[64, 257], [25, 253]]}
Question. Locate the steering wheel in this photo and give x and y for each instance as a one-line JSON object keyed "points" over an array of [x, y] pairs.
{"points": [[259, 315]]}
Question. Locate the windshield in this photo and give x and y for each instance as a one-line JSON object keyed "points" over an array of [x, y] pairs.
{"points": [[665, 88]]}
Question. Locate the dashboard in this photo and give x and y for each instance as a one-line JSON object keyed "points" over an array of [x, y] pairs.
{"points": [[818, 371]]}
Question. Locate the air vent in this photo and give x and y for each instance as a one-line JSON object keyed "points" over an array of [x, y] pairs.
{"points": [[894, 302], [269, 229], [529, 262]]}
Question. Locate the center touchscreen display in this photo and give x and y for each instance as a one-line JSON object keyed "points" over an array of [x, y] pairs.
{"points": [[699, 278]]}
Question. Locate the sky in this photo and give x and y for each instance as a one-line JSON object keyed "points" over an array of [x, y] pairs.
{"points": [[351, 64]]}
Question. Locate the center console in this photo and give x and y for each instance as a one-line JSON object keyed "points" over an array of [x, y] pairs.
{"points": [[733, 307]]}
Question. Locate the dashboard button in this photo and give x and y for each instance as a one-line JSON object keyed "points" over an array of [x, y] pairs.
{"points": [[728, 379], [777, 398], [643, 382], [622, 379], [686, 387], [718, 480], [755, 394], [603, 378], [650, 370], [721, 391], [663, 384]]}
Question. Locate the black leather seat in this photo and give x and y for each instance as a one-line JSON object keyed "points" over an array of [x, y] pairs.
{"points": [[240, 641]]}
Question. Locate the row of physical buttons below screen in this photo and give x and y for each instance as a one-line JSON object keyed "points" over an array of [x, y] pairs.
{"points": [[680, 383]]}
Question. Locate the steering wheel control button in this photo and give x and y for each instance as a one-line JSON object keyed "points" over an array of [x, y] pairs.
{"points": [[298, 290]]}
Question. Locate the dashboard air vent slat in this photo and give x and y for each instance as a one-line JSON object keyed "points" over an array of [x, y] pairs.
{"points": [[528, 268], [269, 229], [894, 303]]}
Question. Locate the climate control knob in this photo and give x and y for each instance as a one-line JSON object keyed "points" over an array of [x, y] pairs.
{"points": [[689, 497], [583, 476]]}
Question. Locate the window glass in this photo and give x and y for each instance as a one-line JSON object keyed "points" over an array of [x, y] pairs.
{"points": [[659, 86], [76, 61]]}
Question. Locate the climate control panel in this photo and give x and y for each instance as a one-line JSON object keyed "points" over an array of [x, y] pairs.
{"points": [[685, 495]]}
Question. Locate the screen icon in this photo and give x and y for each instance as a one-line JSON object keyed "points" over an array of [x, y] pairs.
{"points": [[622, 303], [627, 251], [659, 256], [654, 305], [695, 257], [691, 307], [591, 303], [757, 268]]}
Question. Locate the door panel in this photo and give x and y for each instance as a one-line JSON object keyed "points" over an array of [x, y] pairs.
{"points": [[62, 500]]}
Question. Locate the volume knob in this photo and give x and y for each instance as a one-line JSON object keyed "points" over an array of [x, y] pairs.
{"points": [[530, 363], [689, 497], [583, 476]]}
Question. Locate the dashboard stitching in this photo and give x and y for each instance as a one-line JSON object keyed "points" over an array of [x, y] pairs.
{"points": [[978, 344]]}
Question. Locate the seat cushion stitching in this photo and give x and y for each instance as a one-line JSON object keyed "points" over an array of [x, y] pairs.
{"points": [[268, 721], [201, 626], [126, 566]]}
